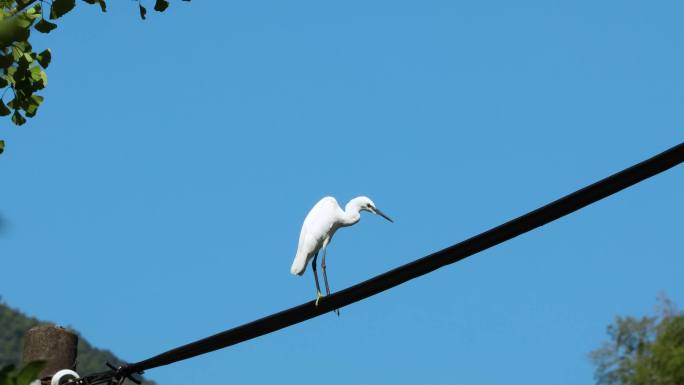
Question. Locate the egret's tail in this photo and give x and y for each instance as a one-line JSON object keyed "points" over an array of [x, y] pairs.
{"points": [[299, 264]]}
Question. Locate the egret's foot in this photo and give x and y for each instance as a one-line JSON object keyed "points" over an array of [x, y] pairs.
{"points": [[318, 297]]}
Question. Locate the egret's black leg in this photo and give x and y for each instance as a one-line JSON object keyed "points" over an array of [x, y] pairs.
{"points": [[315, 272], [325, 278], [325, 275]]}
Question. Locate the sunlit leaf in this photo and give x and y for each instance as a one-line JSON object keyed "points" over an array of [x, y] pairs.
{"points": [[23, 21], [18, 120], [34, 103], [43, 78], [35, 73], [25, 46], [17, 53], [26, 58], [9, 78], [35, 11]]}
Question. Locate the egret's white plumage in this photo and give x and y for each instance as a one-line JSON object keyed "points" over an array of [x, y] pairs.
{"points": [[319, 227]]}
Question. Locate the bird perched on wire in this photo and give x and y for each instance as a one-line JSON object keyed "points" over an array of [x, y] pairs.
{"points": [[318, 229]]}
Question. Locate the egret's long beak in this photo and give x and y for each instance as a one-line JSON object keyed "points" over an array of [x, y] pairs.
{"points": [[377, 211]]}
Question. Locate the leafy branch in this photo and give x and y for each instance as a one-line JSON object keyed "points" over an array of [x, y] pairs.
{"points": [[22, 70]]}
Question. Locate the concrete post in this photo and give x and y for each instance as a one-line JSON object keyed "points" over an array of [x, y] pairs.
{"points": [[53, 344]]}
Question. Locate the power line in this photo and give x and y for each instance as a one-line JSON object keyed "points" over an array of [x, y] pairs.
{"points": [[388, 280]]}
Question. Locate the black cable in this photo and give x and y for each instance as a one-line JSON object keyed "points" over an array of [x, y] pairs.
{"points": [[455, 253]]}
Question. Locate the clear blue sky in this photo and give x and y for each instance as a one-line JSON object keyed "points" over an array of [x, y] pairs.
{"points": [[158, 195]]}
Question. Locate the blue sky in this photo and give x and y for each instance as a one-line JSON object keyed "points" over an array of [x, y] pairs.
{"points": [[158, 195]]}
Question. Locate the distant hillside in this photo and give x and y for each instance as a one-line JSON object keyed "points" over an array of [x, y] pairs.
{"points": [[13, 325]]}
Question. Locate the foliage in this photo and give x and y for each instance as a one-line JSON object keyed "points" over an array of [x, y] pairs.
{"points": [[13, 326], [8, 376], [22, 70], [643, 351]]}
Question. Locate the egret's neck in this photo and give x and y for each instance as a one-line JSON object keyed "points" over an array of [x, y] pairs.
{"points": [[352, 213]]}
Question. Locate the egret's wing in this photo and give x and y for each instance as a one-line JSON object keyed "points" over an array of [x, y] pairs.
{"points": [[317, 223], [305, 251], [316, 228], [321, 219]]}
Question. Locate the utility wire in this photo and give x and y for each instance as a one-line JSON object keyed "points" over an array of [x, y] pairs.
{"points": [[455, 253]]}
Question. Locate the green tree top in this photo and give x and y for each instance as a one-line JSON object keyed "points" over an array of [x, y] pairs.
{"points": [[643, 351]]}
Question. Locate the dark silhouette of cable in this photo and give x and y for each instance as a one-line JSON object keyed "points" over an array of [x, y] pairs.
{"points": [[455, 253]]}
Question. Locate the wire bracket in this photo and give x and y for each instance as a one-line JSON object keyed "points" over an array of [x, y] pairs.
{"points": [[116, 376]]}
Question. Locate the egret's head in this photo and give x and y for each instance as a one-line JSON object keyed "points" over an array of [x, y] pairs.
{"points": [[366, 204]]}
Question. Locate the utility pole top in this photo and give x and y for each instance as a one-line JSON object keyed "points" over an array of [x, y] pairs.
{"points": [[53, 344]]}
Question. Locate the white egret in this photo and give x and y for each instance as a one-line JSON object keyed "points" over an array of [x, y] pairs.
{"points": [[318, 229]]}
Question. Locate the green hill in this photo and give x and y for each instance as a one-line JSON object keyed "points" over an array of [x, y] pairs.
{"points": [[13, 325]]}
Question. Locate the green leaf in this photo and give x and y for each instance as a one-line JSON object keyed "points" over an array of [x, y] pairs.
{"points": [[9, 78], [35, 11], [60, 7], [161, 5], [26, 18], [18, 120], [23, 21], [2, 149], [35, 73], [26, 58], [43, 79], [24, 46], [17, 53], [44, 26], [29, 372], [34, 103], [143, 11], [44, 58], [4, 111]]}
